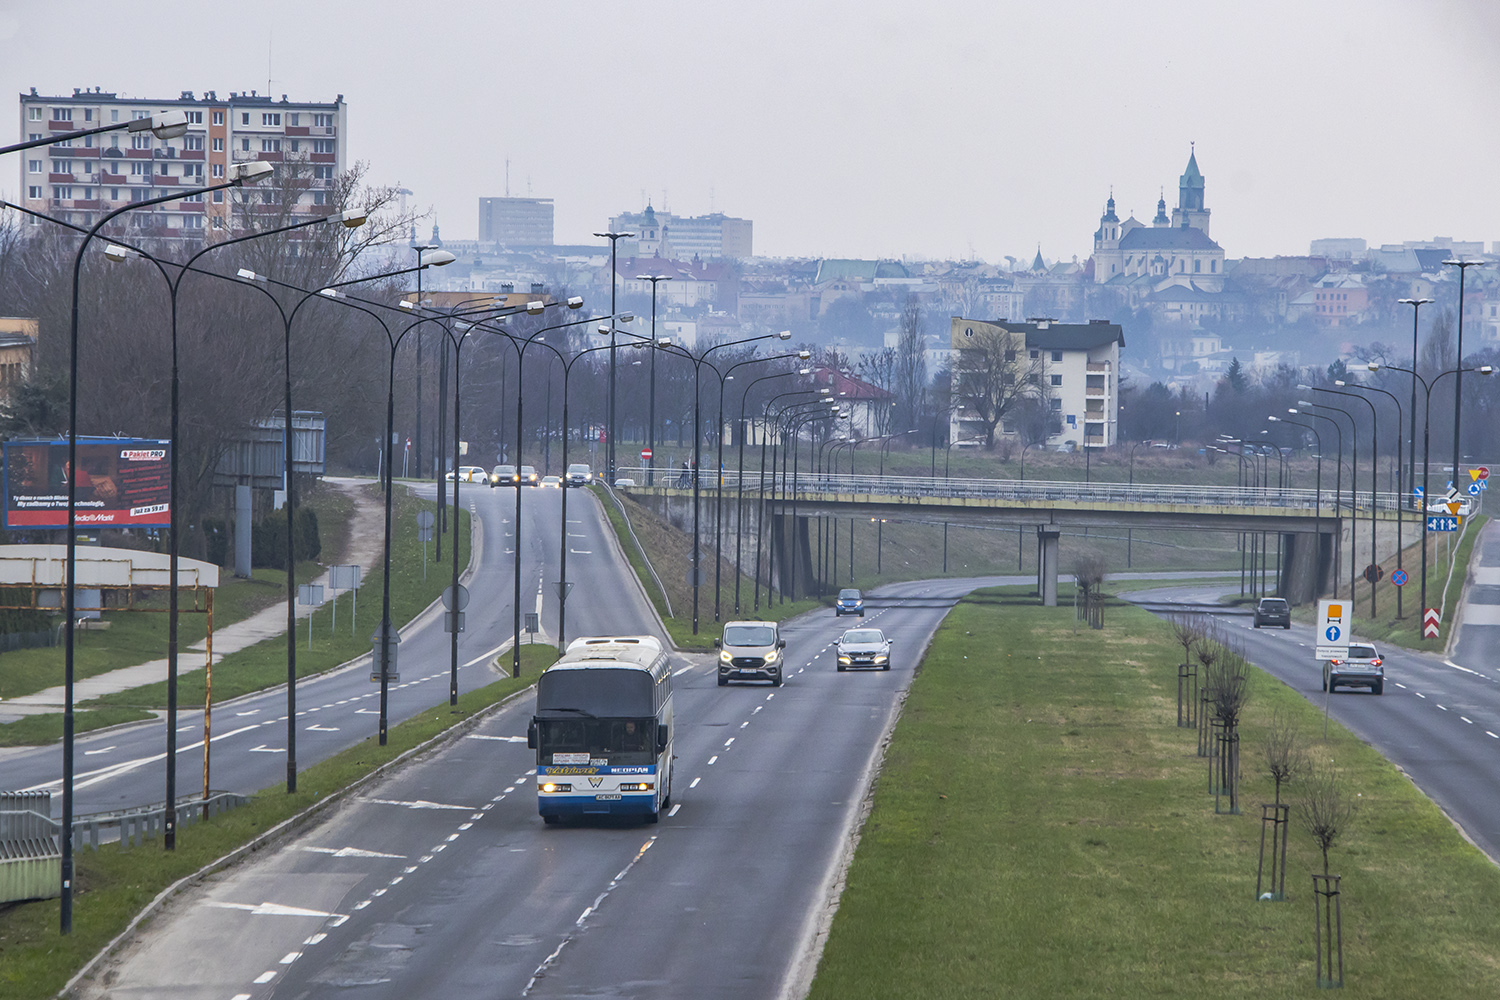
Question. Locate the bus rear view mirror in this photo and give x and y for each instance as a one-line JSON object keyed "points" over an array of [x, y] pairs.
{"points": [[531, 735], [661, 738]]}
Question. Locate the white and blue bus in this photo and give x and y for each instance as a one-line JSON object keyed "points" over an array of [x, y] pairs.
{"points": [[602, 731]]}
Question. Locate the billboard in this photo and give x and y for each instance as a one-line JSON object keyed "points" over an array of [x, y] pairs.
{"points": [[121, 483]]}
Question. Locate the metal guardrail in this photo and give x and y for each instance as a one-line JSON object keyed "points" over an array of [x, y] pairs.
{"points": [[1029, 491], [28, 815]]}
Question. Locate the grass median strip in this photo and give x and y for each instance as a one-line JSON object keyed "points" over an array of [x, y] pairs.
{"points": [[112, 886], [1041, 828]]}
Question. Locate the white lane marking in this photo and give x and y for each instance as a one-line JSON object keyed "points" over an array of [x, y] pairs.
{"points": [[744, 724], [1420, 695], [1467, 719], [1401, 686], [253, 711], [417, 804], [695, 783], [1440, 706], [581, 552], [770, 696], [712, 759], [729, 741], [350, 852], [316, 938], [398, 880], [322, 729], [1488, 733], [498, 739], [486, 656], [270, 909], [265, 977], [680, 671], [290, 957], [673, 811], [464, 826], [339, 922], [452, 837], [90, 753], [757, 708], [478, 815], [1466, 670]]}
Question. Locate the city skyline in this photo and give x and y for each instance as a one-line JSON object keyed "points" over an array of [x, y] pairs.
{"points": [[963, 131]]}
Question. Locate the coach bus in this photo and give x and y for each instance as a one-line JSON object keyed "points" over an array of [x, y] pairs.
{"points": [[602, 731]]}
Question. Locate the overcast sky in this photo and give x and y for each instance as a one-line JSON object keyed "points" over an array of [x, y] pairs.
{"points": [[942, 129]]}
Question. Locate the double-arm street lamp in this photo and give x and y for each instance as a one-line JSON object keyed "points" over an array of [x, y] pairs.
{"points": [[1411, 439], [1374, 483], [1458, 356], [1338, 485], [614, 282], [1426, 444], [1400, 503], [651, 414]]}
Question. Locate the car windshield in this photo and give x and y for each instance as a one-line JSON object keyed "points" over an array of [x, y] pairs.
{"points": [[505, 470], [1362, 652], [848, 595], [749, 635], [577, 468], [864, 635]]}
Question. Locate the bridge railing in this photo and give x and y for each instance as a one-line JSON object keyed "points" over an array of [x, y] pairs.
{"points": [[1023, 491]]}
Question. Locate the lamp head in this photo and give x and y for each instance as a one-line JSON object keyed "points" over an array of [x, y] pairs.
{"points": [[535, 307], [249, 172], [249, 275], [1273, 418], [116, 253], [1339, 382], [626, 317], [804, 371], [826, 391], [603, 329], [664, 342], [1486, 369], [330, 293], [1373, 366], [407, 304], [351, 219], [785, 335], [1303, 402], [1292, 409], [164, 125], [804, 355], [575, 302], [439, 258]]}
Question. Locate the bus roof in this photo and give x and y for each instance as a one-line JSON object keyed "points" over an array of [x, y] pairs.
{"points": [[627, 650]]}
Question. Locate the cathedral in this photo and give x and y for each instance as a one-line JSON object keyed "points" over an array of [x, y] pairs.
{"points": [[1175, 252]]}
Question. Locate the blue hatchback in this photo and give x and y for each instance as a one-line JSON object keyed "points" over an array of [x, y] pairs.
{"points": [[850, 602]]}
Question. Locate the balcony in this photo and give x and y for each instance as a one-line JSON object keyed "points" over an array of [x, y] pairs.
{"points": [[61, 179], [138, 154], [1098, 366], [59, 126], [1095, 391], [163, 179], [192, 154], [296, 131], [113, 179], [322, 157]]}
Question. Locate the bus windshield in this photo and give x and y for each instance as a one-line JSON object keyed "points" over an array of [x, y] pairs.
{"points": [[616, 741]]}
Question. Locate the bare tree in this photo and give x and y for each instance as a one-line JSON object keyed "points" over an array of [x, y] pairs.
{"points": [[1088, 570], [1285, 756], [993, 374], [910, 375], [1322, 807]]}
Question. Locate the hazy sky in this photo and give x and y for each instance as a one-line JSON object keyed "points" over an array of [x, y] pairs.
{"points": [[858, 129]]}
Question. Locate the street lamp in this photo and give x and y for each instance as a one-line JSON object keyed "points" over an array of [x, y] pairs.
{"points": [[240, 173], [1458, 356], [1317, 488], [739, 493], [1338, 486], [765, 438], [1411, 441], [651, 416], [1374, 474], [163, 125], [1400, 544], [614, 281], [1353, 484], [1426, 444]]}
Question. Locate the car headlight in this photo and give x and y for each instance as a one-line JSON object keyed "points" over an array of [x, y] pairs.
{"points": [[771, 656], [881, 658], [724, 657], [553, 786], [844, 659]]}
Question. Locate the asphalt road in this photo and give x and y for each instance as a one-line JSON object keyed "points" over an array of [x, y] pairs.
{"points": [[443, 880], [125, 767], [1439, 718]]}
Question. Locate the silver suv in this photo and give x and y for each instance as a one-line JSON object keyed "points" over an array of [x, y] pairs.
{"points": [[1361, 668], [750, 650]]}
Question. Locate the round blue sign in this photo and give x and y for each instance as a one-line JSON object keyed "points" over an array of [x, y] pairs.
{"points": [[1332, 634], [1399, 577]]}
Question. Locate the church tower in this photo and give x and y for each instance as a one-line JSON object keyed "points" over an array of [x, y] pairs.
{"points": [[1161, 221], [1190, 211]]}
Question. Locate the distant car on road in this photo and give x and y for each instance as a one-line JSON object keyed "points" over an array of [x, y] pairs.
{"points": [[551, 481], [529, 476], [579, 474], [864, 647], [1361, 668], [624, 483], [1273, 611], [503, 475], [469, 474], [850, 602]]}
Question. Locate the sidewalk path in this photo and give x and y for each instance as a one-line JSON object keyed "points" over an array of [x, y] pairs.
{"points": [[365, 548]]}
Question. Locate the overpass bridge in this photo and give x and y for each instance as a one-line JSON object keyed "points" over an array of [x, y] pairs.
{"points": [[1307, 523]]}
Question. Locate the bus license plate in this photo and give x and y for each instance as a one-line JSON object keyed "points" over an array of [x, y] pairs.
{"points": [[607, 796]]}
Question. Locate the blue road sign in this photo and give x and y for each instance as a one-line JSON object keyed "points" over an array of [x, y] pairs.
{"points": [[1474, 489], [1417, 491], [1399, 578], [1442, 523], [1332, 633]]}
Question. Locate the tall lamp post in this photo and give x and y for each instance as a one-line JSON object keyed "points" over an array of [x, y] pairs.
{"points": [[1411, 440], [614, 282], [739, 493], [1374, 483], [1458, 357], [1400, 543], [241, 173], [651, 415], [1426, 445], [420, 249], [1338, 485], [1307, 408], [1318, 484]]}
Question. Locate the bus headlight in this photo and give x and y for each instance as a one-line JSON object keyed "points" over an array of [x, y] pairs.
{"points": [[638, 786], [555, 786]]}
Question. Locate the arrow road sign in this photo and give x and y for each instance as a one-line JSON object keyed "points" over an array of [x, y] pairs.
{"points": [[1431, 619], [1443, 523]]}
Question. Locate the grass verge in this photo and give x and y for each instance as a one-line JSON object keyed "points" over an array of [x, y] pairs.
{"points": [[1041, 828], [263, 665], [112, 886]]}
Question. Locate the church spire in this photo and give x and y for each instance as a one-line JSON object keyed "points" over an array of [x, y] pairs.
{"points": [[1161, 211], [1038, 264]]}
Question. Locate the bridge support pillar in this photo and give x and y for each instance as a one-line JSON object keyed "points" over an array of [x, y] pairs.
{"points": [[1046, 564]]}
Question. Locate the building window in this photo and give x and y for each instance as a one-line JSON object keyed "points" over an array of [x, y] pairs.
{"points": [[244, 118], [192, 221], [33, 191], [244, 145], [322, 145], [1057, 380], [63, 142], [323, 172], [62, 114], [218, 170], [62, 192], [33, 137], [138, 115], [33, 166], [194, 197], [1055, 404], [1213, 267], [293, 119], [1197, 266], [320, 197], [218, 145], [270, 145], [164, 170], [33, 114], [1057, 355], [88, 114], [218, 118], [62, 166], [140, 141], [296, 145], [192, 142], [137, 169], [114, 194], [323, 121], [114, 115], [271, 119], [195, 117]]}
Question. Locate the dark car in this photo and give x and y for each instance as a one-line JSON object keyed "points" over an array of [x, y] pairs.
{"points": [[1273, 611], [850, 602]]}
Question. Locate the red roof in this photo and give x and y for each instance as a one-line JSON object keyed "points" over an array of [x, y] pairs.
{"points": [[848, 387]]}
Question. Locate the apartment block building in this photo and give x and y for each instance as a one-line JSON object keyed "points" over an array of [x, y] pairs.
{"points": [[77, 180], [706, 237], [511, 222]]}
